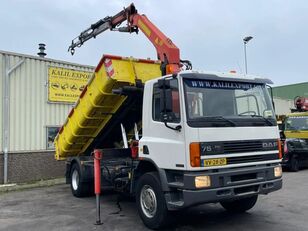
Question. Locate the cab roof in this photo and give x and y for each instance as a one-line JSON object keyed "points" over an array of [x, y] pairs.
{"points": [[222, 76]]}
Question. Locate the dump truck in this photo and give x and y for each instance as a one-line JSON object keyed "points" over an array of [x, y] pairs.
{"points": [[295, 143], [171, 138]]}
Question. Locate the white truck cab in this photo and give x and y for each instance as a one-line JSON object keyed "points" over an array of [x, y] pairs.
{"points": [[212, 138], [213, 111]]}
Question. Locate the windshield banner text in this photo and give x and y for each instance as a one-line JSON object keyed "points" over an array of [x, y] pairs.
{"points": [[219, 84]]}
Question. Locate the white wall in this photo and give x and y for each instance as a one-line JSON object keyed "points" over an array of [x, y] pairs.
{"points": [[283, 106]]}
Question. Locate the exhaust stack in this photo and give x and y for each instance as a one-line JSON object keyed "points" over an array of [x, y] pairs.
{"points": [[42, 49]]}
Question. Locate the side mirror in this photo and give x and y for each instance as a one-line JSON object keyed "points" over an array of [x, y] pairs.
{"points": [[271, 93], [282, 135], [166, 112]]}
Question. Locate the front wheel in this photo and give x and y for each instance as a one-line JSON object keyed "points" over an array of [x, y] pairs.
{"points": [[294, 164], [150, 201], [240, 205]]}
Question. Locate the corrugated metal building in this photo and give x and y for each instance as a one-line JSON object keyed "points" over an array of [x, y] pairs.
{"points": [[291, 91], [284, 96], [26, 115]]}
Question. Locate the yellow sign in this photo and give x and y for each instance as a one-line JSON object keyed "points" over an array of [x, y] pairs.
{"points": [[65, 85]]}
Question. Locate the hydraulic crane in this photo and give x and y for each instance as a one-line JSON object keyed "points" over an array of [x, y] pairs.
{"points": [[190, 151], [167, 52]]}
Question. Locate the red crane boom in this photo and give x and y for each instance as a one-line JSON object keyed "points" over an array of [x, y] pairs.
{"points": [[167, 52]]}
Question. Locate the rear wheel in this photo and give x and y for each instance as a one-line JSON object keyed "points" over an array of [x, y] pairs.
{"points": [[241, 205], [294, 164], [79, 188], [150, 201]]}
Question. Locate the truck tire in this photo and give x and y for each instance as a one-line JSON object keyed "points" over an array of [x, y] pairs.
{"points": [[79, 189], [241, 205], [294, 164], [151, 202]]}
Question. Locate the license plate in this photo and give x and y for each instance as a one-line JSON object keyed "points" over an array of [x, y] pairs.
{"points": [[215, 162]]}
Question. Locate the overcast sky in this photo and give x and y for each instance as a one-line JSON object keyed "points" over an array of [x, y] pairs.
{"points": [[208, 32]]}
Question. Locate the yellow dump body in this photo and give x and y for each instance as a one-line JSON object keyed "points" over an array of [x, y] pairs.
{"points": [[97, 104]]}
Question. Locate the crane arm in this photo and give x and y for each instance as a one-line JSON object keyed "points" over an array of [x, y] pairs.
{"points": [[102, 25], [167, 52]]}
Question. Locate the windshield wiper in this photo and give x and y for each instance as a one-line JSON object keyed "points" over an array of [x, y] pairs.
{"points": [[222, 119], [261, 117]]}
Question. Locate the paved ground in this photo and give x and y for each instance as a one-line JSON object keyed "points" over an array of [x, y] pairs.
{"points": [[53, 208]]}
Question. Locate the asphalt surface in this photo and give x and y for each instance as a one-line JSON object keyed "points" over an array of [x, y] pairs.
{"points": [[54, 208]]}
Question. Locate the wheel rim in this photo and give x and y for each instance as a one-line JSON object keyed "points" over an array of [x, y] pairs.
{"points": [[75, 179], [294, 164], [148, 201]]}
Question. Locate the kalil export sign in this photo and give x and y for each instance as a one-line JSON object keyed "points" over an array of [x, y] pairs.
{"points": [[65, 85]]}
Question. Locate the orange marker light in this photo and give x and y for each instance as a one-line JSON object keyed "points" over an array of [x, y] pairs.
{"points": [[172, 69], [194, 150], [280, 149]]}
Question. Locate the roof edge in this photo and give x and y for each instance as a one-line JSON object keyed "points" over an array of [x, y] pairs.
{"points": [[288, 85], [44, 59]]}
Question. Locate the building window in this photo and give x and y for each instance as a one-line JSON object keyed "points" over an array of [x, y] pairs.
{"points": [[51, 135]]}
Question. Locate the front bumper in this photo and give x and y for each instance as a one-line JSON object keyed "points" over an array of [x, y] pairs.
{"points": [[191, 197], [229, 184]]}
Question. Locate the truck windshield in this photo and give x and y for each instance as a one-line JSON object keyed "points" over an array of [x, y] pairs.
{"points": [[293, 123], [224, 103]]}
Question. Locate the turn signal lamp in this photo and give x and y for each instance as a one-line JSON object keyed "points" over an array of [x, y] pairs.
{"points": [[172, 69], [194, 152], [202, 181], [278, 171], [279, 148]]}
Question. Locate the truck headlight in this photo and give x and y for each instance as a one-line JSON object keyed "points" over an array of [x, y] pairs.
{"points": [[202, 181], [278, 171]]}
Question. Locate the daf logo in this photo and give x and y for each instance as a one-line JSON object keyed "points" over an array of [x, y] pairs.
{"points": [[269, 144]]}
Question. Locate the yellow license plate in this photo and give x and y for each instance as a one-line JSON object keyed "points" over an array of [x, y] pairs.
{"points": [[215, 162]]}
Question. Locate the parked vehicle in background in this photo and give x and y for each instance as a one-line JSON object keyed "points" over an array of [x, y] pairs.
{"points": [[295, 145]]}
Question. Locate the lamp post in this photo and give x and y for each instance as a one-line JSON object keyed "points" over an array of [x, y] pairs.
{"points": [[246, 40]]}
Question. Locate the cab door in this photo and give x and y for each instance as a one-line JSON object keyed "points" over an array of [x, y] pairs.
{"points": [[160, 143]]}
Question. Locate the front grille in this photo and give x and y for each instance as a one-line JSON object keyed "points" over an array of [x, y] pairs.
{"points": [[242, 146], [254, 158], [230, 147]]}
